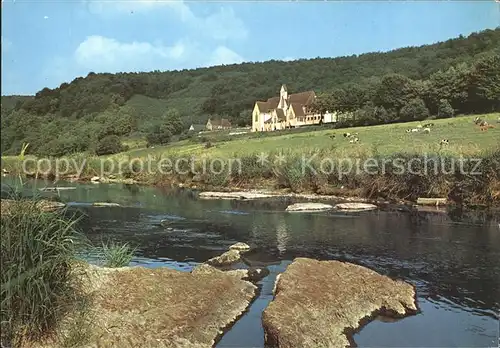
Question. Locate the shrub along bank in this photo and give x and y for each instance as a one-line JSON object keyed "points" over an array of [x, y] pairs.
{"points": [[470, 180]]}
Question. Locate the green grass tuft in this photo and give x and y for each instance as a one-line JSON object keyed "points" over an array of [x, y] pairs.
{"points": [[117, 255]]}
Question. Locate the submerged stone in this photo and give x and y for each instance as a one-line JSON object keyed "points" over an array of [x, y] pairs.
{"points": [[321, 303], [252, 274], [240, 246], [229, 257], [307, 207]]}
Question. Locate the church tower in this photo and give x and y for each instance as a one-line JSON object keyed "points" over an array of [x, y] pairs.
{"points": [[283, 104]]}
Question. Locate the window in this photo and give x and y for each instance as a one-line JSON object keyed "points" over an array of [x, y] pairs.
{"points": [[256, 117]]}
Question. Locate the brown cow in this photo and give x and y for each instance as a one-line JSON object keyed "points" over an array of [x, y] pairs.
{"points": [[483, 125]]}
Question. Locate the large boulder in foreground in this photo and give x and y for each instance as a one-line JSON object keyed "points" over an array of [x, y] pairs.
{"points": [[161, 307], [321, 303]]}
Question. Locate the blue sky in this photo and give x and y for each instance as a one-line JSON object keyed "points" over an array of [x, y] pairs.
{"points": [[45, 43]]}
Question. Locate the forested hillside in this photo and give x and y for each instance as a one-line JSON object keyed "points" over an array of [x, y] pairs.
{"points": [[460, 75]]}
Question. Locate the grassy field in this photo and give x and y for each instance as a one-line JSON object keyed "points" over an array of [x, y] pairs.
{"points": [[464, 139], [384, 143]]}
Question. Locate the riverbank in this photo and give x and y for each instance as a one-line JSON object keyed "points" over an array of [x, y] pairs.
{"points": [[455, 161], [472, 183], [51, 298], [421, 254], [162, 307]]}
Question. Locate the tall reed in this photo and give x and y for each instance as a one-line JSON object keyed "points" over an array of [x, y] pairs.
{"points": [[37, 250]]}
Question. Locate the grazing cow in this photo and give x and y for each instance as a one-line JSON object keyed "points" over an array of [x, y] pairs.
{"points": [[420, 126], [347, 135], [354, 140], [483, 125], [444, 142], [427, 130], [428, 125], [332, 136]]}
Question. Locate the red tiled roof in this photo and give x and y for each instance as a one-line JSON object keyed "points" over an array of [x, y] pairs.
{"points": [[281, 114], [263, 106], [304, 98], [297, 110], [223, 122], [297, 101], [273, 102]]}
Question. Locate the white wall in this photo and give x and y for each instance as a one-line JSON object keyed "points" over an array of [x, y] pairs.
{"points": [[329, 117]]}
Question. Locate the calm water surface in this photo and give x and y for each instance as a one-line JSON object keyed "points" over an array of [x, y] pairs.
{"points": [[452, 259]]}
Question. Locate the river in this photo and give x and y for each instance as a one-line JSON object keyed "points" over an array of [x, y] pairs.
{"points": [[452, 258]]}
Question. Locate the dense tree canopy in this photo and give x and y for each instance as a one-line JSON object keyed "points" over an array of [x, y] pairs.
{"points": [[375, 87], [464, 88]]}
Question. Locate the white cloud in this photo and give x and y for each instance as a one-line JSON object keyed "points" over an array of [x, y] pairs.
{"points": [[224, 25], [102, 54], [288, 59], [221, 25], [223, 55]]}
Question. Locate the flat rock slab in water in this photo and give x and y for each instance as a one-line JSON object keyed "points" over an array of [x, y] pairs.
{"points": [[320, 303], [97, 179], [308, 207], [431, 201], [234, 195], [355, 206], [62, 188], [161, 307], [105, 204]]}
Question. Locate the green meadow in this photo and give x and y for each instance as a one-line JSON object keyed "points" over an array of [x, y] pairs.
{"points": [[464, 138]]}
